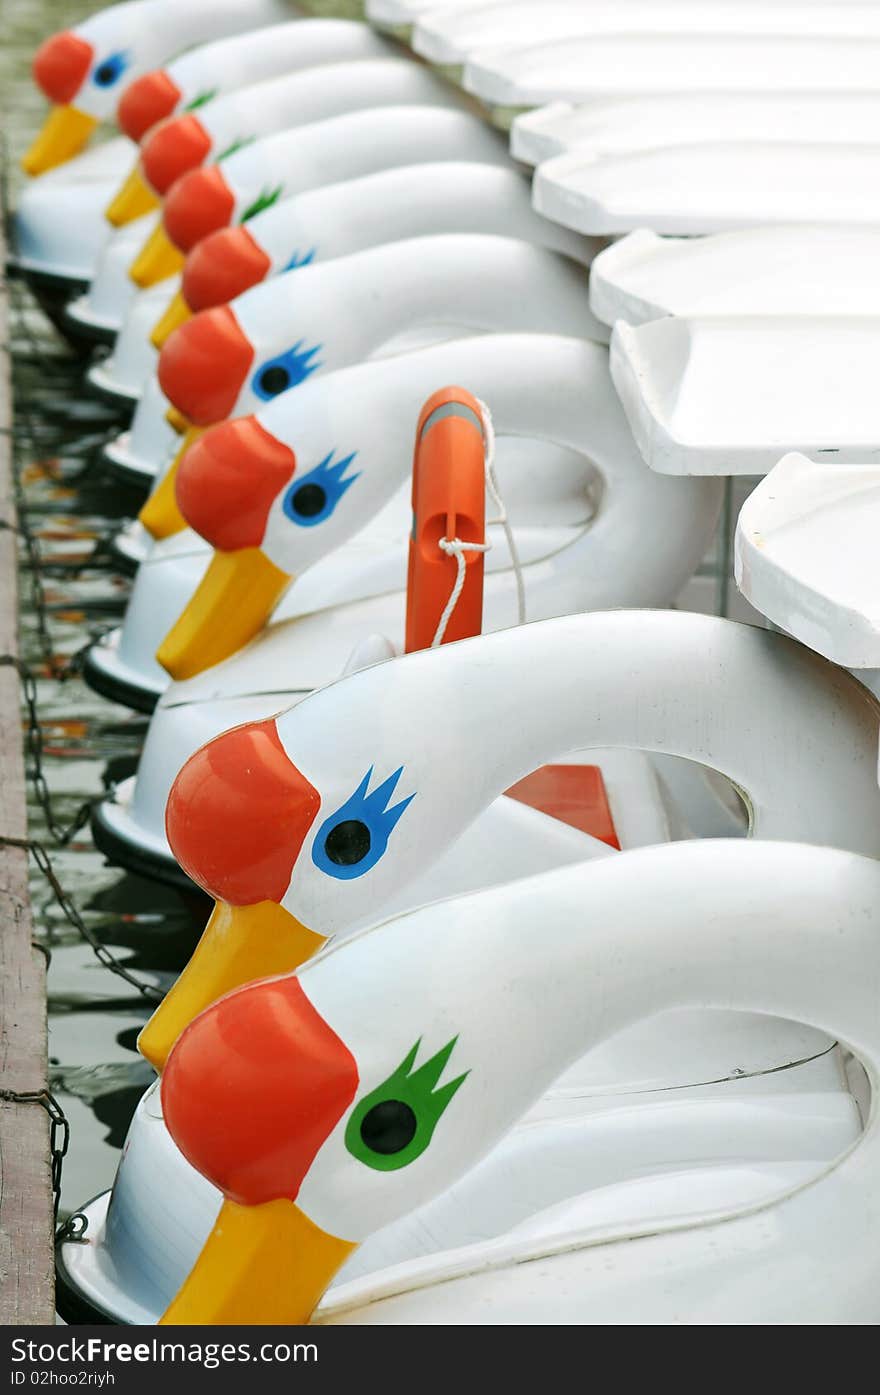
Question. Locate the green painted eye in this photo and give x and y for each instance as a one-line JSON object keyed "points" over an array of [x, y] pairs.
{"points": [[393, 1124]]}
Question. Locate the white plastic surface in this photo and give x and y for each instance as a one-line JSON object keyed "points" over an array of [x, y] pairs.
{"points": [[403, 13], [59, 225], [609, 126], [791, 271], [806, 556], [150, 442], [712, 187], [133, 358], [112, 290], [227, 64], [453, 36], [302, 98], [725, 395], [635, 65]]}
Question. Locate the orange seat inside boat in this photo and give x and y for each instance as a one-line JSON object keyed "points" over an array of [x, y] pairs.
{"points": [[574, 794]]}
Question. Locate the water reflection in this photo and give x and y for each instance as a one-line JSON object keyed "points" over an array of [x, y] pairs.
{"points": [[94, 1016]]}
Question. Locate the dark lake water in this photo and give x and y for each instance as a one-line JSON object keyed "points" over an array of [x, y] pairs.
{"points": [[94, 1016]]}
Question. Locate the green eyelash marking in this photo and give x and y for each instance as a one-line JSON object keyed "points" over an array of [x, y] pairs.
{"points": [[394, 1124], [234, 148], [201, 99], [265, 199]]}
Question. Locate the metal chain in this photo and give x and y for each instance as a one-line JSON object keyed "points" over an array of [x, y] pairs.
{"points": [[59, 1131], [34, 568], [73, 917], [61, 834], [11, 282], [56, 665], [76, 1225]]}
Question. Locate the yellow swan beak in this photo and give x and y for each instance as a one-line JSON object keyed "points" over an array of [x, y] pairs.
{"points": [[177, 421], [232, 603], [161, 514], [239, 944], [133, 199], [157, 260], [260, 1264], [176, 314], [65, 133]]}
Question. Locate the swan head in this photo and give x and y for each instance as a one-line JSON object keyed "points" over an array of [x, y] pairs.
{"points": [[221, 267], [288, 860], [228, 360], [81, 80], [339, 1134], [267, 511], [197, 200]]}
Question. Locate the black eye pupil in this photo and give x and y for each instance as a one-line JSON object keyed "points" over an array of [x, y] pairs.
{"points": [[309, 500], [275, 379], [348, 843], [388, 1127], [106, 73]]}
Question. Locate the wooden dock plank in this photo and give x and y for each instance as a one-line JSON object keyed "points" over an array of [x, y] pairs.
{"points": [[26, 1221]]}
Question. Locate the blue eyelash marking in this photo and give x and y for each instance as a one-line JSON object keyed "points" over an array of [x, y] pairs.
{"points": [[351, 841], [285, 371], [304, 260], [313, 498], [110, 69]]}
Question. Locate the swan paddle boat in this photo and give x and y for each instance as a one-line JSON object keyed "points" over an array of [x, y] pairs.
{"points": [[421, 1072], [228, 361], [123, 665], [325, 153], [58, 229], [188, 84], [197, 197], [329, 222], [586, 524], [218, 69], [748, 704], [390, 205], [319, 225]]}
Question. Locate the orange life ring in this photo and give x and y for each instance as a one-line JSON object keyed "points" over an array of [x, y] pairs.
{"points": [[448, 501]]}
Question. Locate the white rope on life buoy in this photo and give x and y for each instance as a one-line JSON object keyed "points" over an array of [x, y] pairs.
{"points": [[457, 548]]}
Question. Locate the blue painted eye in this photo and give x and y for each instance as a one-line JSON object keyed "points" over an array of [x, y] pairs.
{"points": [[285, 371], [313, 498], [353, 839], [110, 70], [297, 260]]}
